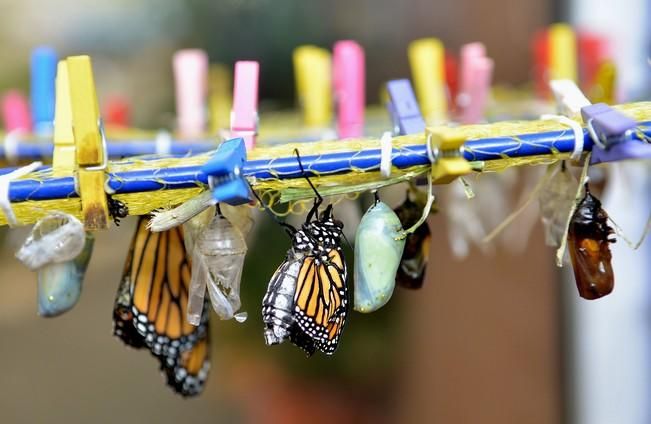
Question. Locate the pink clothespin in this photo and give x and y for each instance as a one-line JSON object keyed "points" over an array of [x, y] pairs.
{"points": [[191, 78], [244, 115], [349, 87], [475, 82], [15, 112]]}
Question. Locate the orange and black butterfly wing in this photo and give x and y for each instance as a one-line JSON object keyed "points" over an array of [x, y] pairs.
{"points": [[187, 372], [151, 307], [321, 299]]}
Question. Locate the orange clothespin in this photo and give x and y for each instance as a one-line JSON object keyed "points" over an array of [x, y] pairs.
{"points": [[90, 144]]}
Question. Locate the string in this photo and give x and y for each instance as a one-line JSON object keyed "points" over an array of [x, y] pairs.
{"points": [[532, 196]]}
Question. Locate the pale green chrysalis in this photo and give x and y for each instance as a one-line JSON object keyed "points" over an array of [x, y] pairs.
{"points": [[59, 284], [378, 250]]}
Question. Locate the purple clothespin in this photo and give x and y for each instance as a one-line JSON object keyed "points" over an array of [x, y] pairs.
{"points": [[613, 132], [403, 108]]}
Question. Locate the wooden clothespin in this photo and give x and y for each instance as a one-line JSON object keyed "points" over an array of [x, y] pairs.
{"points": [[446, 155], [90, 145], [569, 98], [191, 83], [220, 83], [64, 158], [403, 108], [313, 74], [349, 86], [244, 115], [427, 62], [475, 82], [43, 68]]}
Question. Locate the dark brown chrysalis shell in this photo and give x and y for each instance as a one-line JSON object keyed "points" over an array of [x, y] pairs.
{"points": [[413, 263], [589, 245]]}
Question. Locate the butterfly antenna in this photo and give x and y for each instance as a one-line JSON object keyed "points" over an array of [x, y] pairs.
{"points": [[288, 228], [318, 200]]}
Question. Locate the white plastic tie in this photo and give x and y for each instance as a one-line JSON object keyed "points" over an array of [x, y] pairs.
{"points": [[576, 129], [385, 158], [5, 203], [163, 143], [11, 142]]}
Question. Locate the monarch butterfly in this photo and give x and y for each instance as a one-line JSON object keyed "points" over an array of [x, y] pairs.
{"points": [[151, 304], [589, 245], [307, 297]]}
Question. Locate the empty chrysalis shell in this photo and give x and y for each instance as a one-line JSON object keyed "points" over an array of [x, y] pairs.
{"points": [[556, 199], [198, 282], [56, 238], [59, 283], [378, 250], [219, 256]]}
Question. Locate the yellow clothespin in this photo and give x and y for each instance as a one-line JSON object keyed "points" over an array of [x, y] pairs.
{"points": [[63, 156], [605, 80], [427, 61], [90, 144], [220, 88], [562, 53], [313, 73], [444, 150]]}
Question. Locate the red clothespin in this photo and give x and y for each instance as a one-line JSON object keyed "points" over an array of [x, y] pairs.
{"points": [[117, 112], [475, 81], [349, 88], [244, 115], [191, 82], [452, 76], [540, 50], [15, 112]]}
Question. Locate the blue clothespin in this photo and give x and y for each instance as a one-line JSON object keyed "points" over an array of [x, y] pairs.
{"points": [[613, 134], [225, 173], [403, 108], [43, 70]]}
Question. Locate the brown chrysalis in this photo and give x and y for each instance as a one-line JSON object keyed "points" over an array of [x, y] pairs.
{"points": [[589, 241], [416, 253]]}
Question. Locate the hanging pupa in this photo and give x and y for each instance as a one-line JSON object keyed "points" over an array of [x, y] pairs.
{"points": [[58, 249], [59, 284], [218, 257], [379, 244], [589, 241], [413, 263]]}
